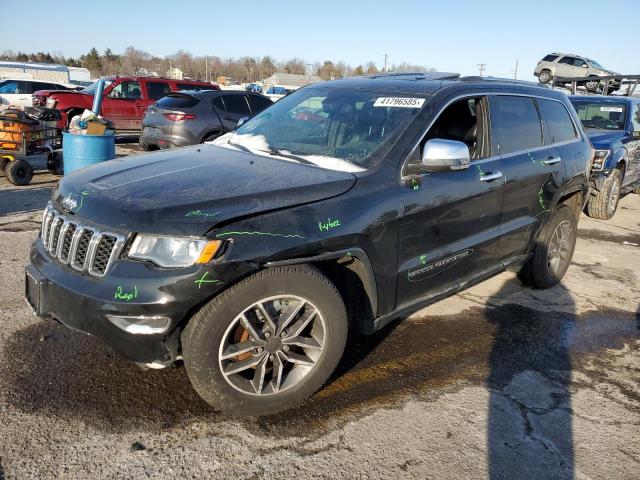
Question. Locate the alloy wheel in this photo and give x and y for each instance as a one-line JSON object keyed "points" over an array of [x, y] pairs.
{"points": [[272, 345], [559, 254], [614, 195]]}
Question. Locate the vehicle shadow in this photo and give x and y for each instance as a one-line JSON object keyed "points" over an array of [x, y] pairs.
{"points": [[529, 432], [21, 200]]}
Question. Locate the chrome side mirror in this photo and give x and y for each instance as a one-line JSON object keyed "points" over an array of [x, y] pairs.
{"points": [[441, 155]]}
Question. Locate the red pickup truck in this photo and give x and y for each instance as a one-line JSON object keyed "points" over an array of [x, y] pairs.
{"points": [[125, 99]]}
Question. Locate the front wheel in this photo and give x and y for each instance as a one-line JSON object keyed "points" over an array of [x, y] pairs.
{"points": [[545, 76], [605, 203], [267, 343], [553, 250]]}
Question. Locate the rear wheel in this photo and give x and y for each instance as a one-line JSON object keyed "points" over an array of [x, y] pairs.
{"points": [[267, 343], [605, 203], [592, 85], [19, 172], [55, 164], [545, 76], [553, 251]]}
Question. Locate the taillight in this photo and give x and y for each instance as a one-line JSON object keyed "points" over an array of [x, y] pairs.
{"points": [[178, 117]]}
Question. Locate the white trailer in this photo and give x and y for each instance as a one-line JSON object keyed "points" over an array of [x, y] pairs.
{"points": [[43, 71]]}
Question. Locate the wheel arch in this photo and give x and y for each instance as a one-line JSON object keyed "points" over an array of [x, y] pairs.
{"points": [[219, 130]]}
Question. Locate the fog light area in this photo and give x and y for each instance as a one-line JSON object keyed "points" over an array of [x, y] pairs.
{"points": [[140, 325]]}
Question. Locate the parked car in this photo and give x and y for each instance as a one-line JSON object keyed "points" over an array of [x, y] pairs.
{"points": [[17, 91], [181, 119], [564, 65], [125, 99], [613, 126], [250, 256]]}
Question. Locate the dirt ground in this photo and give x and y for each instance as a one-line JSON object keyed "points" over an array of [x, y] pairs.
{"points": [[498, 382]]}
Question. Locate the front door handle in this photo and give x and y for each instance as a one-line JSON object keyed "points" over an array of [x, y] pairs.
{"points": [[552, 160], [491, 176]]}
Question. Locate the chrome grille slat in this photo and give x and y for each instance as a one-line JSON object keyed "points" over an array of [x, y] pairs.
{"points": [[83, 247]]}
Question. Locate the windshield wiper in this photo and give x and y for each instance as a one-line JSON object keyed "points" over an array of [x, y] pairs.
{"points": [[280, 153], [241, 147]]}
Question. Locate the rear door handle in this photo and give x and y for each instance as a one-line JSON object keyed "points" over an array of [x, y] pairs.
{"points": [[552, 160], [491, 176]]}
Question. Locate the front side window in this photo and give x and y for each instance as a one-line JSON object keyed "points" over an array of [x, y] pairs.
{"points": [[603, 115], [515, 124], [559, 125], [13, 86], [579, 63], [129, 90], [332, 127], [157, 90]]}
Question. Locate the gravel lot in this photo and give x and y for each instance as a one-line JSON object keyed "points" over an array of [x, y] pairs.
{"points": [[497, 382]]}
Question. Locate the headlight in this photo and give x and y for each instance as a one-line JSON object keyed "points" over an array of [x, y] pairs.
{"points": [[599, 159], [51, 102], [173, 251]]}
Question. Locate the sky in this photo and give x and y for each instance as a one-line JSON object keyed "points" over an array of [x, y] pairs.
{"points": [[448, 35]]}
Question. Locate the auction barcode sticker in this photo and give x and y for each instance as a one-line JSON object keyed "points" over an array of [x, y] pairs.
{"points": [[399, 102], [611, 109]]}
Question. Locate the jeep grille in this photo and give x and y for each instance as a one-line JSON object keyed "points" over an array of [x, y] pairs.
{"points": [[83, 247]]}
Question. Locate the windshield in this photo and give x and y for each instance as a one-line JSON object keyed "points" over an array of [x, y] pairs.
{"points": [[92, 88], [595, 64], [601, 115], [331, 127]]}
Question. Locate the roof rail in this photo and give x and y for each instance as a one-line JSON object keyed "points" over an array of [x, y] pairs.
{"points": [[476, 78], [418, 75], [572, 83]]}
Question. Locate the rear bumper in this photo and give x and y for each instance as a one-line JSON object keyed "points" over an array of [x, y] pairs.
{"points": [[166, 141]]}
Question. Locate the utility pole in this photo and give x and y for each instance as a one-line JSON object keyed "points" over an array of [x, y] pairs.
{"points": [[308, 65], [482, 67], [206, 69], [384, 69], [515, 71]]}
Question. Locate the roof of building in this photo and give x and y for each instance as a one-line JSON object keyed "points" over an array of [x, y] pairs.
{"points": [[292, 79]]}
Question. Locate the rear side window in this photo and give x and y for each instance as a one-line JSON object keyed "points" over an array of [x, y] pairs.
{"points": [[549, 58], [157, 90], [177, 101], [515, 124], [189, 87], [567, 60], [258, 103], [557, 120], [235, 104]]}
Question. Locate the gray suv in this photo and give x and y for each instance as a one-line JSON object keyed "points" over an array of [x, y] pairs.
{"points": [[565, 65]]}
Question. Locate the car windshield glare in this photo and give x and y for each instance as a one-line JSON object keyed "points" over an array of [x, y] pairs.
{"points": [[331, 127], [92, 88], [601, 115]]}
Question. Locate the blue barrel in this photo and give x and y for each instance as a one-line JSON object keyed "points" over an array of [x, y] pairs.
{"points": [[81, 151]]}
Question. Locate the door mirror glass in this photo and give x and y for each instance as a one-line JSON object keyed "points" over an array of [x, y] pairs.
{"points": [[441, 155]]}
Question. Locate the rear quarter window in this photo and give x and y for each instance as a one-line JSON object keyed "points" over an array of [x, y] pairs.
{"points": [[157, 90], [175, 101], [557, 120], [549, 58], [515, 124], [189, 87]]}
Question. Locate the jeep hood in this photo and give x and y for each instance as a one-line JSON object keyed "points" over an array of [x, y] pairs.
{"points": [[191, 190], [602, 139]]}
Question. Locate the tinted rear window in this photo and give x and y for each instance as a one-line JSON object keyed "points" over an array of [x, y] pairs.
{"points": [[157, 90], [515, 124], [557, 120], [549, 58], [235, 104], [258, 103], [177, 101], [189, 87]]}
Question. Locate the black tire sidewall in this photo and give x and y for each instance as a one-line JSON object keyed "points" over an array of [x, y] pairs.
{"points": [[538, 273], [19, 172], [203, 335]]}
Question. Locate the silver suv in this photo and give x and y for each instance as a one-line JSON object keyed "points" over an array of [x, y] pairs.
{"points": [[569, 65]]}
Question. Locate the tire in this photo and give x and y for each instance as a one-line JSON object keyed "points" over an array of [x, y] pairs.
{"points": [[19, 172], [605, 203], [541, 271], [207, 339], [545, 76], [592, 85], [55, 164], [636, 190], [211, 136]]}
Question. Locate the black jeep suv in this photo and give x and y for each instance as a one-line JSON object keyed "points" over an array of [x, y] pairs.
{"points": [[348, 203]]}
